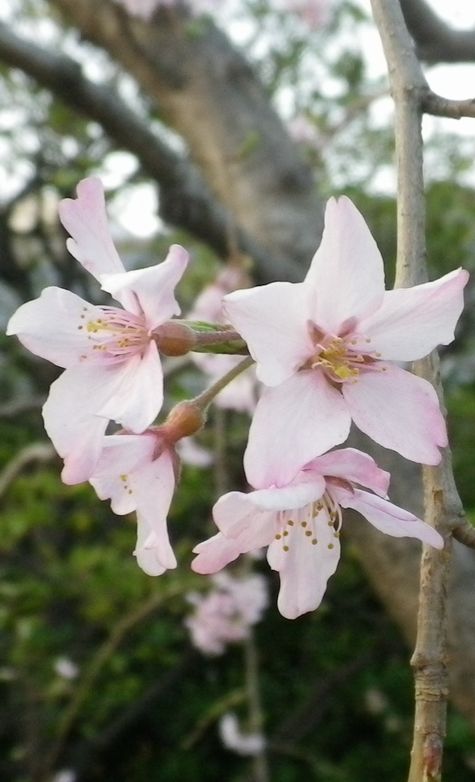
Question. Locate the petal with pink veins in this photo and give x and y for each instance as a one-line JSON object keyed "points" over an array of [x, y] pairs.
{"points": [[352, 465], [85, 219], [120, 456], [412, 321], [305, 567], [150, 291], [399, 411], [273, 320], [137, 397], [214, 554], [153, 485], [388, 518], [52, 326], [347, 272], [293, 423]]}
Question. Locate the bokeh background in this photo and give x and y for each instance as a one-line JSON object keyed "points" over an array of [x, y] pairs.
{"points": [[223, 127]]}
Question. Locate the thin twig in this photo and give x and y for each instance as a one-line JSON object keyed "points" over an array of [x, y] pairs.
{"points": [[465, 533], [442, 503], [99, 660], [444, 107]]}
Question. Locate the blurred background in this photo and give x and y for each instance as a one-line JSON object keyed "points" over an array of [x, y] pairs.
{"points": [[223, 126]]}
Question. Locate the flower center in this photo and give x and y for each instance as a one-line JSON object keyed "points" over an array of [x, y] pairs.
{"points": [[307, 522], [341, 358], [114, 336]]}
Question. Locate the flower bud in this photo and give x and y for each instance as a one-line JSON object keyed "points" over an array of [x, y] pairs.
{"points": [[184, 420], [174, 338]]}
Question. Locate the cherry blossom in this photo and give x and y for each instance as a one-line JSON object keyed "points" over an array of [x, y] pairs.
{"points": [[137, 472], [112, 363], [328, 343], [300, 520], [227, 612]]}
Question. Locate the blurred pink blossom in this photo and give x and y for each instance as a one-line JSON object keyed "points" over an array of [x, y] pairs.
{"points": [[239, 395], [303, 131], [225, 614]]}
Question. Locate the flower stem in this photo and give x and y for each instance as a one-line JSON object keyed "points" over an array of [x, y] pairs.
{"points": [[204, 399]]}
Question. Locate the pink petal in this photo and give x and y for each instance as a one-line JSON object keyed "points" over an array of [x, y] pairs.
{"points": [[272, 319], [153, 485], [137, 397], [120, 456], [85, 219], [305, 568], [237, 517], [50, 326], [214, 554], [150, 291], [354, 466], [388, 518], [70, 420], [309, 488], [412, 321], [347, 273], [398, 410], [292, 424], [145, 552]]}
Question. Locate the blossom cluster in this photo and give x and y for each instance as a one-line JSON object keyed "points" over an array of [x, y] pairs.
{"points": [[327, 352], [227, 612]]}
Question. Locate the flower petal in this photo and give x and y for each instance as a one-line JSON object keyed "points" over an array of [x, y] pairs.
{"points": [[237, 517], [272, 319], [121, 455], [70, 420], [150, 291], [215, 553], [389, 518], [304, 567], [292, 424], [145, 552], [52, 326], [412, 321], [354, 466], [153, 485], [85, 219], [309, 488], [398, 410], [137, 397], [347, 271]]}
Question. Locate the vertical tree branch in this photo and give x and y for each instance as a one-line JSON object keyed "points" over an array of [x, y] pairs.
{"points": [[442, 504]]}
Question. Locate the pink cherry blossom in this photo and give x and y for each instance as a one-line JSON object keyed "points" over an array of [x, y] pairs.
{"points": [[327, 343], [113, 368], [301, 520], [240, 395], [227, 612], [137, 472]]}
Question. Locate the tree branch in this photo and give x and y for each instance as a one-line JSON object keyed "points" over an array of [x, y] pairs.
{"points": [[185, 198], [435, 40], [205, 89], [441, 498]]}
